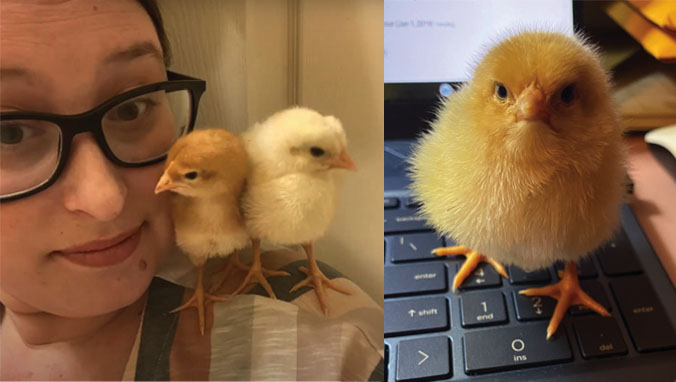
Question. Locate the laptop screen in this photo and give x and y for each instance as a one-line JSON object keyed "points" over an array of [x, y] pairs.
{"points": [[431, 45]]}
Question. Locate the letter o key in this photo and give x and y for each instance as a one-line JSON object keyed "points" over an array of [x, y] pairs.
{"points": [[515, 345]]}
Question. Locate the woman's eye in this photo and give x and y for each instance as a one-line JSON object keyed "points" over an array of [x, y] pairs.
{"points": [[11, 134], [500, 91], [130, 110], [316, 151], [15, 132], [568, 94]]}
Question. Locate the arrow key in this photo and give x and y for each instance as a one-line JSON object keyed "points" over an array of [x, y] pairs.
{"points": [[533, 307], [484, 276], [423, 359]]}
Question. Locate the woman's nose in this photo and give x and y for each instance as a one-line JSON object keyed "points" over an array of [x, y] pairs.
{"points": [[93, 184]]}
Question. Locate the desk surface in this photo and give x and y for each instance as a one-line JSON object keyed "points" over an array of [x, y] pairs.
{"points": [[654, 201]]}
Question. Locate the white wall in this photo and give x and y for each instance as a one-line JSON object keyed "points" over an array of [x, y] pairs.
{"points": [[240, 48], [260, 56], [341, 73]]}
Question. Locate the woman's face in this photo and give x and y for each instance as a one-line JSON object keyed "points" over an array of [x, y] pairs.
{"points": [[90, 243]]}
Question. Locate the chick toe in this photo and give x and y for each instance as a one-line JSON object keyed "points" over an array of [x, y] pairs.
{"points": [[455, 250], [567, 292], [470, 264], [198, 299], [257, 275], [317, 280]]}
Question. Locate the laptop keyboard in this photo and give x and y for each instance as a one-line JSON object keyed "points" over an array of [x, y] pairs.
{"points": [[494, 328]]}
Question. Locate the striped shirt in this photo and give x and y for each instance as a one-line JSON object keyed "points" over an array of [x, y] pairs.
{"points": [[255, 338]]}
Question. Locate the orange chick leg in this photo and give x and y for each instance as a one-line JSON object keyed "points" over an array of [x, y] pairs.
{"points": [[232, 264], [315, 278], [470, 264], [198, 298], [567, 292], [257, 274]]}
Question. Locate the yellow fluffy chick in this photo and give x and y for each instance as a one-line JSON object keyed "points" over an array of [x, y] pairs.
{"points": [[525, 163], [206, 170]]}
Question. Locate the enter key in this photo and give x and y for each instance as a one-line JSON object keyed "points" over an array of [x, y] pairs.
{"points": [[645, 317]]}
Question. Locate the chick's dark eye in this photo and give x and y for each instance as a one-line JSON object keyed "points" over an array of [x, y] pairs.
{"points": [[190, 175], [316, 151], [500, 91], [568, 94]]}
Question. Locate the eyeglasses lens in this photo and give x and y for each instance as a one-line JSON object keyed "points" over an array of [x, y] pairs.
{"points": [[137, 130], [29, 154], [144, 128]]}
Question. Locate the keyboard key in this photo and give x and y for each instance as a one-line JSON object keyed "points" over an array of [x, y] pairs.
{"points": [[617, 257], [585, 268], [646, 320], [482, 308], [391, 202], [404, 219], [519, 276], [414, 246], [595, 291], [599, 336], [415, 316], [412, 203], [415, 279], [423, 358], [513, 347], [533, 307], [484, 276]]}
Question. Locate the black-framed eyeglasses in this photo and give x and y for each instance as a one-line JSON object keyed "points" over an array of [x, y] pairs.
{"points": [[136, 128]]}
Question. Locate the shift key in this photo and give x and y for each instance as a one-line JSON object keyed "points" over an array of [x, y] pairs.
{"points": [[645, 317], [418, 315]]}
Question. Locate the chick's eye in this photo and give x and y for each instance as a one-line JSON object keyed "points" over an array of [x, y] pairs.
{"points": [[500, 91], [316, 151], [568, 94], [190, 175]]}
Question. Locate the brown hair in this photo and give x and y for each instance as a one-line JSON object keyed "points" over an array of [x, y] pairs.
{"points": [[154, 12]]}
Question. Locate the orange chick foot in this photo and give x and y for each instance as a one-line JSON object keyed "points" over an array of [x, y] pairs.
{"points": [[470, 264], [258, 275], [567, 292], [198, 300], [316, 279]]}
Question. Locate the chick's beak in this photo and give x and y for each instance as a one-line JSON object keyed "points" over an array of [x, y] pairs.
{"points": [[343, 161], [532, 105], [165, 183]]}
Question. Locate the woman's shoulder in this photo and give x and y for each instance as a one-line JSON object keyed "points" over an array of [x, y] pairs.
{"points": [[253, 337]]}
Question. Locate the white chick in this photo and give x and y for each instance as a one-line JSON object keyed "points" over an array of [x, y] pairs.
{"points": [[290, 196]]}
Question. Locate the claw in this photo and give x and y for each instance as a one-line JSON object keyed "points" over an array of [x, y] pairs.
{"points": [[567, 292], [199, 298], [257, 274], [315, 278]]}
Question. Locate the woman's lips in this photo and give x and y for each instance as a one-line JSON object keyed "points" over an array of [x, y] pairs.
{"points": [[103, 253]]}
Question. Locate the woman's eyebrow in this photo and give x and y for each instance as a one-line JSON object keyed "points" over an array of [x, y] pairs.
{"points": [[139, 49]]}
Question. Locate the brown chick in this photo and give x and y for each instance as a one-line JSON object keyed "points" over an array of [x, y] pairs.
{"points": [[206, 170], [525, 163]]}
